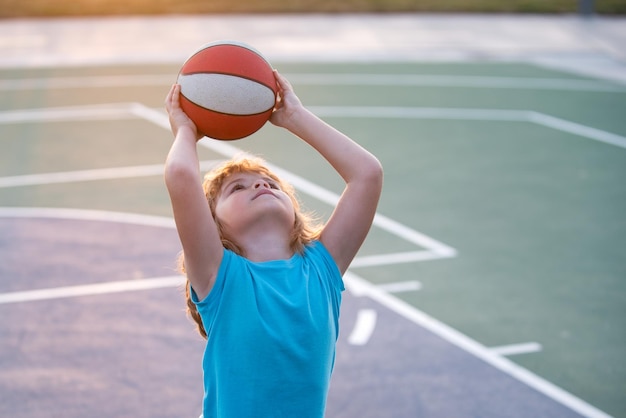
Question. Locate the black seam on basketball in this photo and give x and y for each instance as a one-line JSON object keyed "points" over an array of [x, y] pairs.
{"points": [[233, 45]]}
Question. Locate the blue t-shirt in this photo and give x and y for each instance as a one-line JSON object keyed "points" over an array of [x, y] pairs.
{"points": [[272, 329]]}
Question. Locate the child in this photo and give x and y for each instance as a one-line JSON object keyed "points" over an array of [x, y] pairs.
{"points": [[264, 285]]}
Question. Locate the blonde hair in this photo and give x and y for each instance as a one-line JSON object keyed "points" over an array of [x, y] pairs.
{"points": [[306, 227]]}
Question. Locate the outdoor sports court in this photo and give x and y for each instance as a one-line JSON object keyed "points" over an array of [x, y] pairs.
{"points": [[491, 285]]}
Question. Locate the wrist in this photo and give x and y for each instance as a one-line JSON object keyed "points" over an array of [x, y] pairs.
{"points": [[188, 132], [298, 118]]}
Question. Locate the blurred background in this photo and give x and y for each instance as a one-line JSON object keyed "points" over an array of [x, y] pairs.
{"points": [[17, 8]]}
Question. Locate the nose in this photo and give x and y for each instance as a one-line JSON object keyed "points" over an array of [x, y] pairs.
{"points": [[261, 184]]}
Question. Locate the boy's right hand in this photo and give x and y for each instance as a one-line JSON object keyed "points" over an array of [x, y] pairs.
{"points": [[178, 118], [287, 104]]}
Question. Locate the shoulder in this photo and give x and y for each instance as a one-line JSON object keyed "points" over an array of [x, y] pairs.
{"points": [[316, 250], [231, 262], [317, 253]]}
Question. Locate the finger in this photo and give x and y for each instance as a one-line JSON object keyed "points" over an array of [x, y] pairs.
{"points": [[278, 105], [279, 87], [170, 93], [282, 82], [172, 96]]}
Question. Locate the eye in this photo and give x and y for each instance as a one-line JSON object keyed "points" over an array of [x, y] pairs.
{"points": [[236, 186], [273, 185]]}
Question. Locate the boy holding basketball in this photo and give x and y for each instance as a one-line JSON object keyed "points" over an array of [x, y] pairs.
{"points": [[264, 283]]}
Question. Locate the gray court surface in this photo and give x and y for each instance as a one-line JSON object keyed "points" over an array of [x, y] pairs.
{"points": [[132, 353]]}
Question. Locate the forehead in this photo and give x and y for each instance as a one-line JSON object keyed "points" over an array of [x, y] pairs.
{"points": [[246, 175]]}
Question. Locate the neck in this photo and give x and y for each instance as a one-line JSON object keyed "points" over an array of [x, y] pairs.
{"points": [[266, 249], [265, 245]]}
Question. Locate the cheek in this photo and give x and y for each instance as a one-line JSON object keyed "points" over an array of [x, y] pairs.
{"points": [[231, 209], [291, 208], [222, 209]]}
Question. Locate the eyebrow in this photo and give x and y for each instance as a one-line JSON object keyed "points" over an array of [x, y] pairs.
{"points": [[234, 179]]}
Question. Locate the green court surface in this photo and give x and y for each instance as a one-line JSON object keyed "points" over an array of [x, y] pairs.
{"points": [[514, 174]]}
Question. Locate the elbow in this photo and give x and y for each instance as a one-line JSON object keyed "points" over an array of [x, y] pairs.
{"points": [[369, 176], [375, 173], [176, 174]]}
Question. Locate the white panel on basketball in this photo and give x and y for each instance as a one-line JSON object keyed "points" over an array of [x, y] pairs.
{"points": [[226, 93]]}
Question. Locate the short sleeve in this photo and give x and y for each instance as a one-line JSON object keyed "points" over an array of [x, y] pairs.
{"points": [[208, 306], [330, 264]]}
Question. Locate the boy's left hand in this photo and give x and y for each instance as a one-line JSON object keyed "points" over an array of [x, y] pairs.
{"points": [[178, 117]]}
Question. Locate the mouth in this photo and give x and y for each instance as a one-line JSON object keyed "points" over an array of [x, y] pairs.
{"points": [[263, 192]]}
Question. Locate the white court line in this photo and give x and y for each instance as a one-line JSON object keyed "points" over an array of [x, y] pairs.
{"points": [[400, 287], [577, 129], [91, 289], [91, 175], [361, 287], [363, 328], [86, 82], [400, 112], [87, 215], [472, 114], [423, 80], [430, 80], [438, 249], [112, 111], [130, 110], [515, 349], [438, 113], [411, 235], [394, 258], [157, 117]]}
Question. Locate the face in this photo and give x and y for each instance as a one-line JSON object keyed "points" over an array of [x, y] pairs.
{"points": [[249, 198]]}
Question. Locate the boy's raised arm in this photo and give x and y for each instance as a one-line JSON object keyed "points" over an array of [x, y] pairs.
{"points": [[196, 228], [351, 220]]}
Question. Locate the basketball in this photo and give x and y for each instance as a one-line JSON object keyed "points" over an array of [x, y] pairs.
{"points": [[228, 90]]}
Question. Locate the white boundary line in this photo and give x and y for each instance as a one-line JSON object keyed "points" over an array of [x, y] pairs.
{"points": [[515, 349], [81, 175], [165, 222], [400, 287], [113, 111], [91, 289], [395, 258], [137, 110], [362, 287], [427, 80], [364, 327], [87, 215], [473, 114], [577, 129], [430, 80], [91, 175]]}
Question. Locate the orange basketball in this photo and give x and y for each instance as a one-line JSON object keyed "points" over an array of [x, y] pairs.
{"points": [[228, 90]]}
